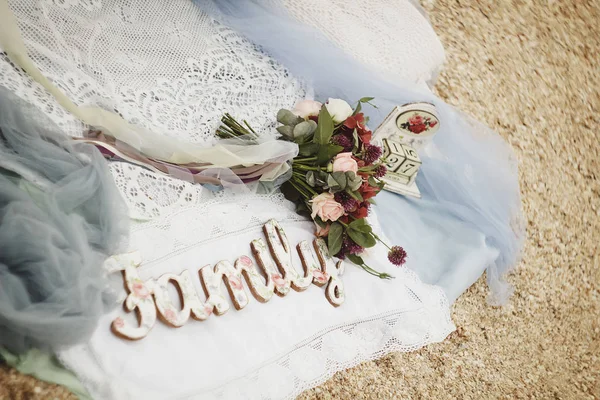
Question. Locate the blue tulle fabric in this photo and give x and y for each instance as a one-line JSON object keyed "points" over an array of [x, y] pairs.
{"points": [[60, 216], [468, 180]]}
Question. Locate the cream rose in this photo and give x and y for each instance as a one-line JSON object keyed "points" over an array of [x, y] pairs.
{"points": [[344, 162], [326, 207], [307, 108], [339, 110]]}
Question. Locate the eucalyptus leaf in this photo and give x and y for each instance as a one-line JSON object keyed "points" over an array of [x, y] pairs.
{"points": [[310, 178], [334, 238], [305, 128], [333, 184], [286, 131], [324, 127], [286, 117], [308, 149], [341, 179], [354, 181]]}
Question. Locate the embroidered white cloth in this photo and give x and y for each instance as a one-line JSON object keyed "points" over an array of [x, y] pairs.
{"points": [[270, 351]]}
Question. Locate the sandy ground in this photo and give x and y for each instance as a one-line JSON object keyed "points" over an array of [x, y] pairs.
{"points": [[531, 70]]}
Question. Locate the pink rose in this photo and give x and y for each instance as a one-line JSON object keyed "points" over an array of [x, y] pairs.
{"points": [[322, 231], [326, 207], [416, 120], [140, 290], [344, 162], [170, 316], [246, 261], [278, 280], [307, 108], [119, 323], [319, 276], [235, 283]]}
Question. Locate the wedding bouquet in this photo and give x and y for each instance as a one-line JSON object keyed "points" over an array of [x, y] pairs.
{"points": [[335, 176]]}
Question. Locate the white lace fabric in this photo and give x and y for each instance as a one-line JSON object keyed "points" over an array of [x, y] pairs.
{"points": [[271, 351], [162, 65]]}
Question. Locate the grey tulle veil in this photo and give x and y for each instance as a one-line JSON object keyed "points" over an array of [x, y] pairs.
{"points": [[60, 216]]}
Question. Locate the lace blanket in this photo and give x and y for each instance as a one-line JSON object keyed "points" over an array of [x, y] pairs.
{"points": [[274, 350]]}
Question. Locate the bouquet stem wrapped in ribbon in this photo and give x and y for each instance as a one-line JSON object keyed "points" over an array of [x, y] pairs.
{"points": [[335, 176]]}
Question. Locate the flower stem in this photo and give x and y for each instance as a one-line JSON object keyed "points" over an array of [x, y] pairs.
{"points": [[306, 186], [381, 241], [380, 275]]}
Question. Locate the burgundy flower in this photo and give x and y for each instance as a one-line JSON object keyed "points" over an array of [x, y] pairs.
{"points": [[362, 211], [372, 153], [355, 121], [380, 171], [367, 191], [349, 247], [344, 141], [397, 255], [346, 201]]}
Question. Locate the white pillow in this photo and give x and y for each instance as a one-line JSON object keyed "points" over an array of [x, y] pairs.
{"points": [[391, 35]]}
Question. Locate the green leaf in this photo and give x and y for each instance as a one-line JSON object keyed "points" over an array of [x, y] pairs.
{"points": [[355, 259], [333, 184], [286, 117], [371, 200], [362, 239], [356, 141], [286, 131], [324, 127], [334, 238], [304, 128], [310, 178], [354, 181], [326, 152], [373, 182], [357, 223], [308, 149], [360, 225], [366, 99], [355, 195], [341, 179], [357, 109]]}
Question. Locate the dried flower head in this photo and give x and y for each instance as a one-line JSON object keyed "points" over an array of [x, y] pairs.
{"points": [[397, 255], [372, 153]]}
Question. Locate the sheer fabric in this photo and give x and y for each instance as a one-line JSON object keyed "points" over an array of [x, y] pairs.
{"points": [[469, 171], [60, 215]]}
